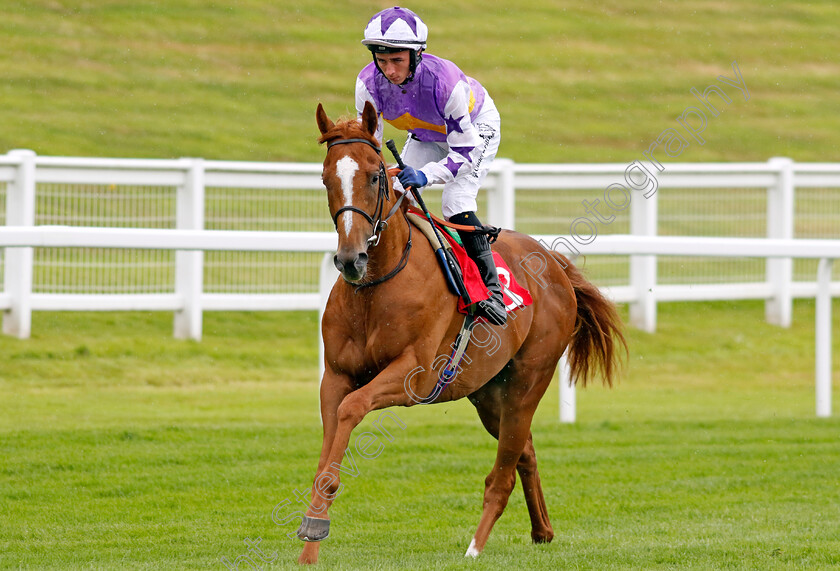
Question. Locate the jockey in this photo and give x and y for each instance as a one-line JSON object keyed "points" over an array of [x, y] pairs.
{"points": [[452, 123]]}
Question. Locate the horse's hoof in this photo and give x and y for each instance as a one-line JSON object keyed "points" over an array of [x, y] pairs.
{"points": [[542, 537], [472, 551], [313, 529]]}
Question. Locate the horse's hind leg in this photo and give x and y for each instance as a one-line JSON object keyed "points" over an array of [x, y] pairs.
{"points": [[488, 404], [506, 408], [541, 530], [513, 434]]}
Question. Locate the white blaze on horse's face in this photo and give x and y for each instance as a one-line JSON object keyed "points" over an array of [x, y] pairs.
{"points": [[345, 169]]}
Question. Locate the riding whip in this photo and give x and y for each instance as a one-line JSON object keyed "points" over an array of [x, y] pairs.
{"points": [[448, 265]]}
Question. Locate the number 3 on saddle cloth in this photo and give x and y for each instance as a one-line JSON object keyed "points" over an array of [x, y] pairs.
{"points": [[514, 295]]}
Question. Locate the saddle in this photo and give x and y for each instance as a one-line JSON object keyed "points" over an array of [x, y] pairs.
{"points": [[465, 281], [463, 277]]}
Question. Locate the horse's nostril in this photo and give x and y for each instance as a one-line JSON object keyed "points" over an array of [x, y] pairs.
{"points": [[361, 260], [351, 264]]}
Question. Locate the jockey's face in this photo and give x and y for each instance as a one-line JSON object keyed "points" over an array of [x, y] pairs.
{"points": [[395, 66]]}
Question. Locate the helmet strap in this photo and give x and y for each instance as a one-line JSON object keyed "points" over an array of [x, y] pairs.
{"points": [[415, 57]]}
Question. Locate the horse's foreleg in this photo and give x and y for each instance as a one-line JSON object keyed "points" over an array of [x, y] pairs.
{"points": [[327, 485], [334, 389]]}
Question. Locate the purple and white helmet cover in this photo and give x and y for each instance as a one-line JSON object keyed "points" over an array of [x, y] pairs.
{"points": [[397, 28]]}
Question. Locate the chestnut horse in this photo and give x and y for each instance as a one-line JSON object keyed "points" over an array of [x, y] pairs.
{"points": [[392, 314]]}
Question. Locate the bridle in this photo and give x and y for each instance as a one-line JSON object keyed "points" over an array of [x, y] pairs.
{"points": [[376, 221]]}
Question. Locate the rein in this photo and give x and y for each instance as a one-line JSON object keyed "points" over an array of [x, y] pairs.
{"points": [[378, 223], [492, 232]]}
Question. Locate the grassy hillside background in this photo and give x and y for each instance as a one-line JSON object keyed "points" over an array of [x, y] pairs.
{"points": [[574, 80], [122, 448]]}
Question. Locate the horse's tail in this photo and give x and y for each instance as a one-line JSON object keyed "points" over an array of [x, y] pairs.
{"points": [[597, 337]]}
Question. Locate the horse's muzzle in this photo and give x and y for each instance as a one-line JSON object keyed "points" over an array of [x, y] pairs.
{"points": [[351, 264]]}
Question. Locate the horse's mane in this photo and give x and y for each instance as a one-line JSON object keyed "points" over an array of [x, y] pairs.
{"points": [[347, 128]]}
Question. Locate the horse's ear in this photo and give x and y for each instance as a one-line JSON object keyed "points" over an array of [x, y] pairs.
{"points": [[370, 121], [324, 123]]}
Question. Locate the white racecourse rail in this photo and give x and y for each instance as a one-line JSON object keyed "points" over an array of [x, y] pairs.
{"points": [[24, 174]]}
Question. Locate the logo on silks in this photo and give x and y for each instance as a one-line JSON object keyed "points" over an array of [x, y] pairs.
{"points": [[485, 131]]}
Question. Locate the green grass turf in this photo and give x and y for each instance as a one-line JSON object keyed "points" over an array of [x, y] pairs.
{"points": [[124, 449], [574, 80]]}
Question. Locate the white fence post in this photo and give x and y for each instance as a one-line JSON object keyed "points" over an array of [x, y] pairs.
{"points": [[643, 222], [823, 335], [189, 265], [780, 213], [568, 397], [501, 199], [17, 277]]}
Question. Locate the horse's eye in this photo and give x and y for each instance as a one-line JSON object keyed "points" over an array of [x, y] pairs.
{"points": [[374, 179]]}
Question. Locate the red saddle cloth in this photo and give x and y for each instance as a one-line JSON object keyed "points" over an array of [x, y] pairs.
{"points": [[514, 295]]}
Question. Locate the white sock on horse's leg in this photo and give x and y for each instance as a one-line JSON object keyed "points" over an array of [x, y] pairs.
{"points": [[471, 550]]}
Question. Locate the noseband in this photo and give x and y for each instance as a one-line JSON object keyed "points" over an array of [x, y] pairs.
{"points": [[376, 221]]}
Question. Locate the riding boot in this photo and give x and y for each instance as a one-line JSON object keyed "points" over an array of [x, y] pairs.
{"points": [[478, 249]]}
